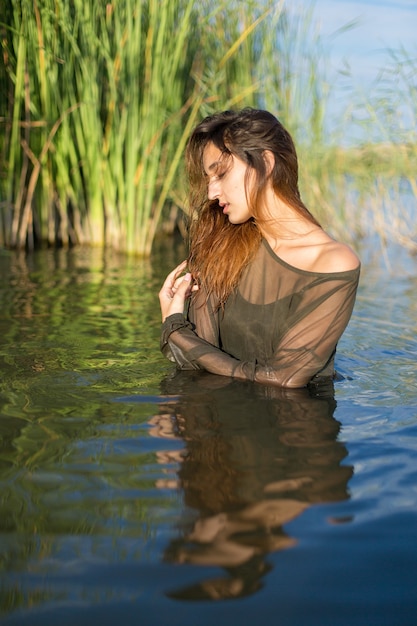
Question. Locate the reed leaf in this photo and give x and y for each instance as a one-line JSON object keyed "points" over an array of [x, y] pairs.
{"points": [[104, 96]]}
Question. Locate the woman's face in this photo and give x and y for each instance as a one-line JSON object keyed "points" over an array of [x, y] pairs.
{"points": [[226, 183]]}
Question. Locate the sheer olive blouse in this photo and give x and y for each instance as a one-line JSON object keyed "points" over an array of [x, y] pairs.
{"points": [[280, 327]]}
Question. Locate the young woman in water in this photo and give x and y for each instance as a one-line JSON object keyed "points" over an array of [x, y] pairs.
{"points": [[267, 292]]}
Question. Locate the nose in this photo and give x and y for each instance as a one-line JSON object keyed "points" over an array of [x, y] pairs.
{"points": [[213, 190]]}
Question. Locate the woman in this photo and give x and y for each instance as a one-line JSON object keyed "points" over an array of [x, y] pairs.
{"points": [[269, 292]]}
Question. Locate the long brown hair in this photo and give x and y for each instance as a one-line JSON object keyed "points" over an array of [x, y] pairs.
{"points": [[219, 250]]}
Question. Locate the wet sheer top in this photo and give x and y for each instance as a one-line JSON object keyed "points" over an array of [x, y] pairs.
{"points": [[280, 327]]}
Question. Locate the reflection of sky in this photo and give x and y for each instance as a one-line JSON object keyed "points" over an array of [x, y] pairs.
{"points": [[380, 26]]}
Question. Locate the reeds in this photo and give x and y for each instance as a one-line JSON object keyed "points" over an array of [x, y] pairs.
{"points": [[99, 99], [380, 170], [103, 99]]}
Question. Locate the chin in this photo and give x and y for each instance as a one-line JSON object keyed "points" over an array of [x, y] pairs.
{"points": [[234, 220]]}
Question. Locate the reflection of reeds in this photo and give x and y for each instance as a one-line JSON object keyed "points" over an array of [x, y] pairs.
{"points": [[102, 97]]}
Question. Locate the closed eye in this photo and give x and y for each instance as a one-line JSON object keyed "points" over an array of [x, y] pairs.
{"points": [[215, 177], [218, 169]]}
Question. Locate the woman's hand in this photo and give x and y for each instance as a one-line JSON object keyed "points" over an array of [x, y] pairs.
{"points": [[175, 290]]}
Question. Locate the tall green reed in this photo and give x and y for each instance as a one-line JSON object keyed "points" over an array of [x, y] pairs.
{"points": [[105, 96], [380, 168]]}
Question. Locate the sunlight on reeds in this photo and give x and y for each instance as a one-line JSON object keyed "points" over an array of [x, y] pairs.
{"points": [[101, 97]]}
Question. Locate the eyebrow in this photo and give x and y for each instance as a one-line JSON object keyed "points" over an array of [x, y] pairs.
{"points": [[216, 164], [213, 166]]}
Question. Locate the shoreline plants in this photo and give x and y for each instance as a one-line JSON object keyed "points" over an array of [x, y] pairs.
{"points": [[98, 100]]}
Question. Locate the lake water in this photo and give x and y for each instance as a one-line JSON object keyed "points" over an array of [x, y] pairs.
{"points": [[133, 495]]}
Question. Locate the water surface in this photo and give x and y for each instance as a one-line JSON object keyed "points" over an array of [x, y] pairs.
{"points": [[133, 494]]}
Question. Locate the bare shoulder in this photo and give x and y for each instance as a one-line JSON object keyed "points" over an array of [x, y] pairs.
{"points": [[317, 252], [334, 256]]}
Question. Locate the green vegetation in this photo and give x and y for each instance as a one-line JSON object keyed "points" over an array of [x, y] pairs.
{"points": [[99, 99]]}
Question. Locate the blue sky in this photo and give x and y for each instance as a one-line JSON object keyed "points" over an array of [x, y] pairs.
{"points": [[380, 25]]}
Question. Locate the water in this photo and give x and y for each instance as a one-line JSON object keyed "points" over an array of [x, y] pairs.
{"points": [[132, 495]]}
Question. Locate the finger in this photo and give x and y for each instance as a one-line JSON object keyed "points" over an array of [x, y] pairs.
{"points": [[172, 276], [169, 283], [179, 269], [185, 283], [179, 280], [183, 290]]}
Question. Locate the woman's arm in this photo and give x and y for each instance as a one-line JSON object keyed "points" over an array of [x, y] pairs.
{"points": [[322, 315], [202, 316]]}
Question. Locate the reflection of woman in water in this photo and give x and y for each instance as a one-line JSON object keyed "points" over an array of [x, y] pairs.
{"points": [[254, 458]]}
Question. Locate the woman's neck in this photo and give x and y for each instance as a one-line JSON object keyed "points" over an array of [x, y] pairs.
{"points": [[283, 224]]}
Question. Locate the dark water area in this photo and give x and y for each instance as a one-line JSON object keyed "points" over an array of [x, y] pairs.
{"points": [[132, 494]]}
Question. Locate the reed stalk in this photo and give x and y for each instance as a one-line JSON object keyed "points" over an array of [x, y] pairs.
{"points": [[104, 96], [112, 93]]}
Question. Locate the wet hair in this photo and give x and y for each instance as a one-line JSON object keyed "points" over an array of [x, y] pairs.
{"points": [[219, 250]]}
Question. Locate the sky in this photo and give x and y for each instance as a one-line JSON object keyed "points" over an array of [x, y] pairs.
{"points": [[380, 25]]}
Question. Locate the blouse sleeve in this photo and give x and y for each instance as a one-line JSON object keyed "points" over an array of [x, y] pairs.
{"points": [[202, 321], [319, 316]]}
